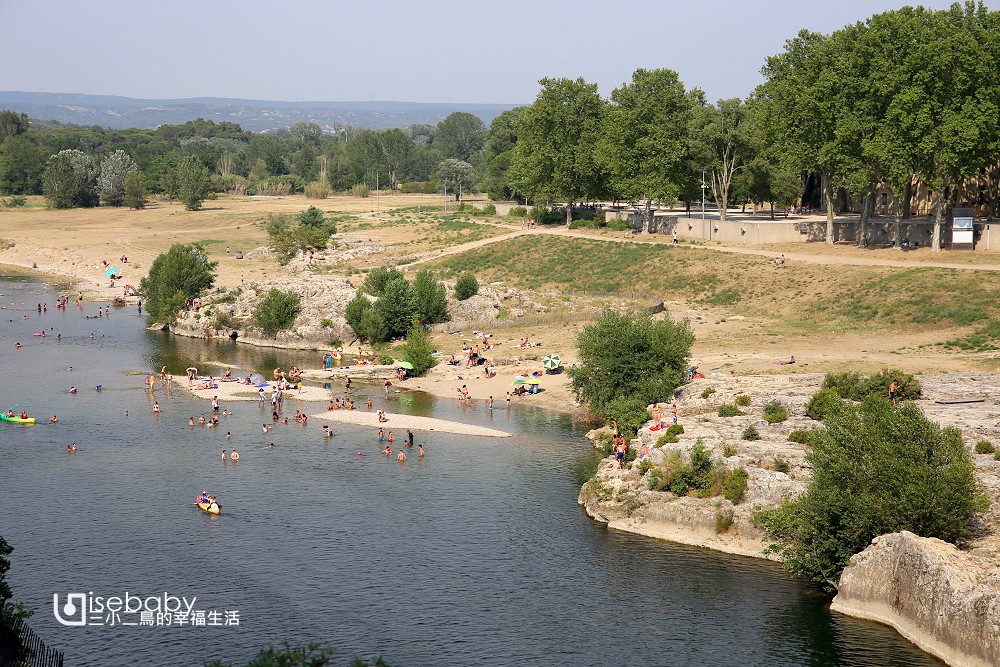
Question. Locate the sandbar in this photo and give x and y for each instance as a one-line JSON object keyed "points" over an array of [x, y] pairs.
{"points": [[399, 423]]}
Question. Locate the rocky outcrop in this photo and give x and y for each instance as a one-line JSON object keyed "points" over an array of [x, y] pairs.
{"points": [[324, 299], [943, 600]]}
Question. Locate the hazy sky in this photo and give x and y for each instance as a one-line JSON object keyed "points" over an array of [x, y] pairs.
{"points": [[407, 50]]}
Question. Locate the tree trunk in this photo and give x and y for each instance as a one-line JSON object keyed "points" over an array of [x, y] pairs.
{"points": [[866, 212], [569, 212], [828, 195], [938, 216], [772, 210], [907, 197], [897, 226]]}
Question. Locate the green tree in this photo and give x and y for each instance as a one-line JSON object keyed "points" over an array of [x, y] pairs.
{"points": [[22, 163], [499, 154], [418, 349], [876, 470], [378, 278], [135, 190], [13, 124], [115, 168], [372, 327], [556, 141], [355, 310], [312, 217], [457, 176], [460, 136], [396, 308], [466, 287], [313, 655], [430, 299], [192, 183], [277, 311], [179, 274], [724, 135], [630, 356], [645, 137], [70, 180]]}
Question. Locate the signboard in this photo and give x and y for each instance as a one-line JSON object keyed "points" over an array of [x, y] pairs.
{"points": [[962, 229]]}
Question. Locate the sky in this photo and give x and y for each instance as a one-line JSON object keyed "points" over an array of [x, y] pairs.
{"points": [[403, 50]]}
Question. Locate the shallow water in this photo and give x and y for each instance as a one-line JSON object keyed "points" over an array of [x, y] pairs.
{"points": [[477, 554]]}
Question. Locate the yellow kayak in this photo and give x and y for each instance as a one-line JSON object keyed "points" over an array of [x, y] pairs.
{"points": [[17, 420], [211, 508]]}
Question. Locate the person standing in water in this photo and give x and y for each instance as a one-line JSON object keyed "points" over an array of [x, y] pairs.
{"points": [[401, 456], [225, 456], [235, 456], [421, 448]]}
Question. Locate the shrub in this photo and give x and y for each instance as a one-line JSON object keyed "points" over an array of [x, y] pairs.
{"points": [[577, 224], [418, 349], [743, 401], [15, 201], [517, 212], [466, 287], [490, 209], [729, 410], [751, 433], [997, 456], [618, 225], [728, 450], [360, 190], [666, 439], [735, 487], [277, 311], [430, 298], [877, 470], [824, 404], [804, 437], [775, 412], [708, 391], [781, 465], [386, 359], [318, 190], [845, 384], [675, 429], [856, 387], [985, 447], [723, 520], [326, 322], [335, 342]]}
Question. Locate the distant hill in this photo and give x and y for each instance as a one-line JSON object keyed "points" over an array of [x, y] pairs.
{"points": [[257, 115]]}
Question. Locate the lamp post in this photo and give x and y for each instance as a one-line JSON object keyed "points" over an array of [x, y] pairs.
{"points": [[703, 186]]}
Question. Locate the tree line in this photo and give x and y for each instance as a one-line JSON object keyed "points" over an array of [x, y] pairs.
{"points": [[908, 96]]}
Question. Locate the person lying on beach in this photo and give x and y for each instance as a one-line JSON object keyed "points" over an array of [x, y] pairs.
{"points": [[785, 363]]}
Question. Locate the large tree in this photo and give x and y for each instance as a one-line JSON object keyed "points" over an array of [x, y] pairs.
{"points": [[724, 136], [457, 176], [461, 136], [115, 169], [499, 154], [70, 180], [175, 276], [192, 183], [630, 357], [644, 140], [22, 163], [557, 140]]}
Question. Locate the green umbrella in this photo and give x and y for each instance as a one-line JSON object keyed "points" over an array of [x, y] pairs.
{"points": [[404, 364], [518, 381], [551, 361], [535, 381]]}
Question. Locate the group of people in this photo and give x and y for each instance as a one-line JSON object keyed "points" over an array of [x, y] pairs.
{"points": [[23, 415], [401, 454]]}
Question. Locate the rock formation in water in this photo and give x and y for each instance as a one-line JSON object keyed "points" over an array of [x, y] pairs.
{"points": [[945, 601]]}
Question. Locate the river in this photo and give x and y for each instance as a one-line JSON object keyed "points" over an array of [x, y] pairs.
{"points": [[477, 554]]}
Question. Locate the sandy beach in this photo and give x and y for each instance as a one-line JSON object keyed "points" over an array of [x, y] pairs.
{"points": [[399, 423]]}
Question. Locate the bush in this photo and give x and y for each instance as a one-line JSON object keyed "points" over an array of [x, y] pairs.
{"points": [[277, 311], [729, 410], [666, 439], [490, 209], [728, 450], [466, 287], [708, 391], [723, 520], [517, 212], [630, 412], [735, 487], [326, 322], [675, 429], [743, 401], [318, 190], [379, 277], [360, 190], [804, 437], [824, 404], [386, 359], [618, 225], [985, 447], [430, 298], [15, 201], [775, 412], [751, 433], [876, 470], [418, 349], [781, 465], [856, 387], [577, 224], [175, 276]]}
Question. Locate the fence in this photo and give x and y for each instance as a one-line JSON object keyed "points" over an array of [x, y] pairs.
{"points": [[656, 306], [21, 647]]}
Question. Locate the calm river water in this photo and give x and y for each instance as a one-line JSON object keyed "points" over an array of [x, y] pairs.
{"points": [[478, 554]]}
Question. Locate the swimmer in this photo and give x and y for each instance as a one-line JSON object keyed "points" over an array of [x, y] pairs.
{"points": [[17, 346], [156, 408], [369, 404], [390, 437], [387, 451], [53, 419], [421, 448], [263, 427], [225, 456], [271, 446], [359, 454], [191, 422], [72, 390], [126, 412], [401, 456], [235, 456], [73, 447], [229, 434]]}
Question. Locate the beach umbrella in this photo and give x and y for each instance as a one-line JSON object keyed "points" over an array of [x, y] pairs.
{"points": [[404, 364], [518, 381], [535, 381], [256, 378], [112, 271], [551, 361]]}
